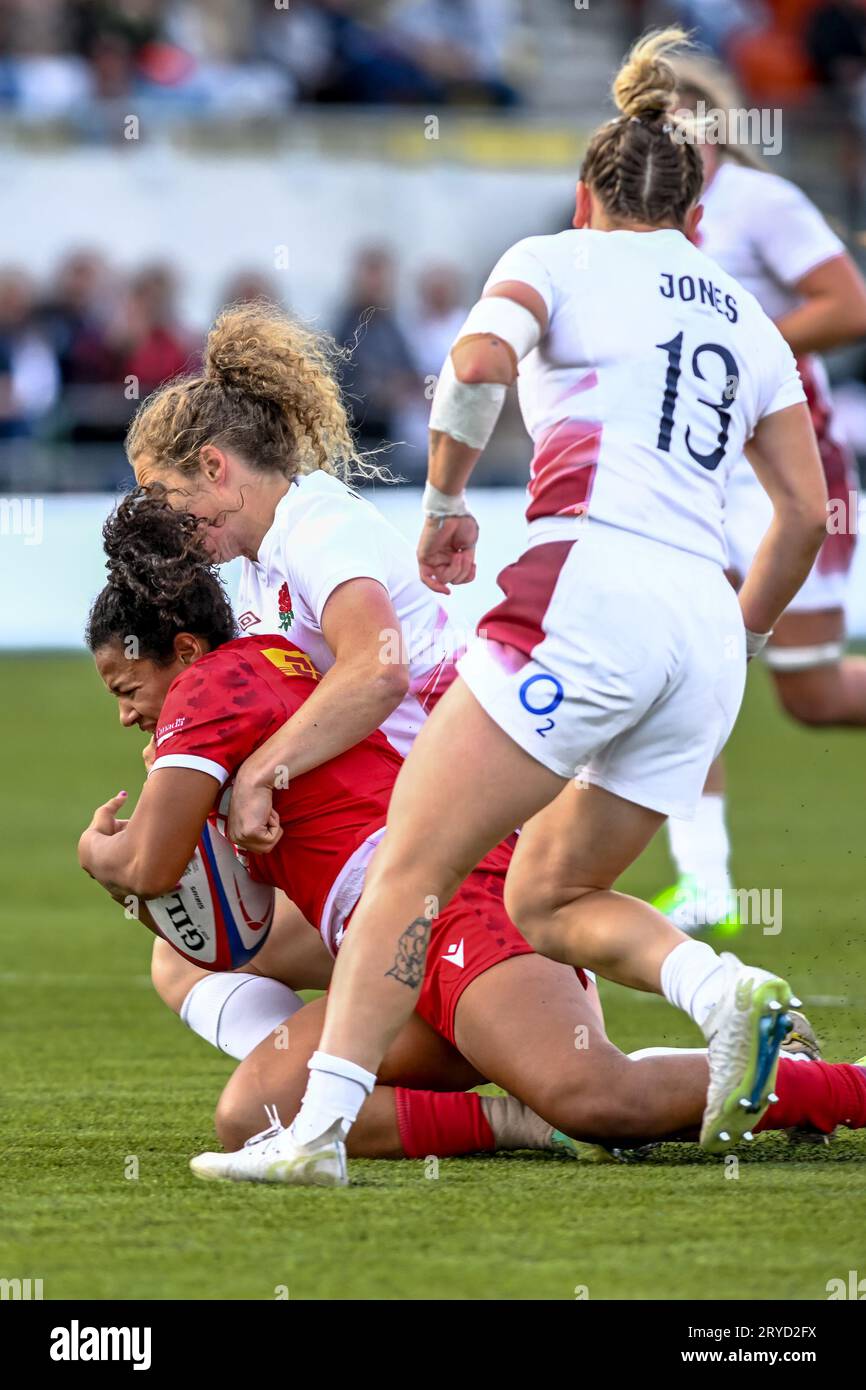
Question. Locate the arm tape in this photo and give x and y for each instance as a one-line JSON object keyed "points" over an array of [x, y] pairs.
{"points": [[503, 318], [443, 504], [756, 642], [466, 412]]}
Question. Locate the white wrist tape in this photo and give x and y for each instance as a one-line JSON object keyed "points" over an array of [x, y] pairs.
{"points": [[440, 504], [467, 413], [503, 318], [756, 642]]}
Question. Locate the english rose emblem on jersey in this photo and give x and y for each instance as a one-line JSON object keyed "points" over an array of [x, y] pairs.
{"points": [[284, 601]]}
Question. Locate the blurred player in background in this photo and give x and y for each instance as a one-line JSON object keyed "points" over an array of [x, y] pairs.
{"points": [[619, 647], [766, 233]]}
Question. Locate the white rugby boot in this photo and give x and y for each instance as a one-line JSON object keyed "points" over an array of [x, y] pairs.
{"points": [[744, 1033], [273, 1156]]}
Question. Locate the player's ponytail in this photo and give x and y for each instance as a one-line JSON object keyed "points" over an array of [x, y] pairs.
{"points": [[644, 87], [269, 390], [260, 356], [161, 581], [645, 166]]}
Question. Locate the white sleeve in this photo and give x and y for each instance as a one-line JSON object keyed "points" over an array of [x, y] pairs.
{"points": [[338, 541], [781, 385], [523, 262], [794, 237]]}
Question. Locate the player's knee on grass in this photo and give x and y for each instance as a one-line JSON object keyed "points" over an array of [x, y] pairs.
{"points": [[233, 1120], [275, 1074], [240, 1111]]}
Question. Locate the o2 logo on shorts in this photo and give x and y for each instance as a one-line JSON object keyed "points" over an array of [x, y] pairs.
{"points": [[542, 694]]}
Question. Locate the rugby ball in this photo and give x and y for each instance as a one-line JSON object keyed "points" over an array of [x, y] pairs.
{"points": [[218, 917]]}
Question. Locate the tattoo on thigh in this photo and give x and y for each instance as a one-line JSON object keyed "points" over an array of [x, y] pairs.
{"points": [[408, 967]]}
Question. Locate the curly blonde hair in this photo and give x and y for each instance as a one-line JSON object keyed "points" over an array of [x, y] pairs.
{"points": [[268, 390], [639, 165]]}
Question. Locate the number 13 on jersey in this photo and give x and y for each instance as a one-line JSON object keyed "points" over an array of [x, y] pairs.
{"points": [[674, 350]]}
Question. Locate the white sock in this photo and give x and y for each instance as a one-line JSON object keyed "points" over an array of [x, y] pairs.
{"points": [[335, 1093], [691, 977], [237, 1012], [701, 847]]}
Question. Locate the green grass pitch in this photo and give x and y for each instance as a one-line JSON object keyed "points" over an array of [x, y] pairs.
{"points": [[95, 1072]]}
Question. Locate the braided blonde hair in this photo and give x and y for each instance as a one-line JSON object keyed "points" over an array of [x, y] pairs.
{"points": [[268, 389], [636, 166]]}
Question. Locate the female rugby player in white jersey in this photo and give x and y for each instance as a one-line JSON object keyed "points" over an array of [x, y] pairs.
{"points": [[259, 447], [619, 649], [770, 237]]}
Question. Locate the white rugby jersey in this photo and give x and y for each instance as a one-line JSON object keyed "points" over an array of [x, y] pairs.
{"points": [[655, 370], [323, 535], [765, 232]]}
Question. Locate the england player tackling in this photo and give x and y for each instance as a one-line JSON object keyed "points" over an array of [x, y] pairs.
{"points": [[611, 673]]}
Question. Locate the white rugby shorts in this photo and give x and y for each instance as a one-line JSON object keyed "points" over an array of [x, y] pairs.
{"points": [[615, 659]]}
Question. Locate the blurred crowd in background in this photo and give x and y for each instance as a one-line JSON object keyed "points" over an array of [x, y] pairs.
{"points": [[77, 354], [80, 348], [225, 55], [58, 57]]}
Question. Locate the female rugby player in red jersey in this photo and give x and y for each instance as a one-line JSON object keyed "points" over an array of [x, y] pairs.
{"points": [[517, 1018]]}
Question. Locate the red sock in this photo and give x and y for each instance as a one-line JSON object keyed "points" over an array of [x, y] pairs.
{"points": [[817, 1095], [442, 1123]]}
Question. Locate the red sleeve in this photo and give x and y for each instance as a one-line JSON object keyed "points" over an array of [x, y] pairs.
{"points": [[214, 715]]}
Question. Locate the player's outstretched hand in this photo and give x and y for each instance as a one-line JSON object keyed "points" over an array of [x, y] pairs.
{"points": [[446, 552], [254, 825]]}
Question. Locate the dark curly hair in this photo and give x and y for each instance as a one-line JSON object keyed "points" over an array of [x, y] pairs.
{"points": [[161, 581]]}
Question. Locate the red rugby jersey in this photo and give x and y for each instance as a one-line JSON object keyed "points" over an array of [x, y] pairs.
{"points": [[224, 706]]}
